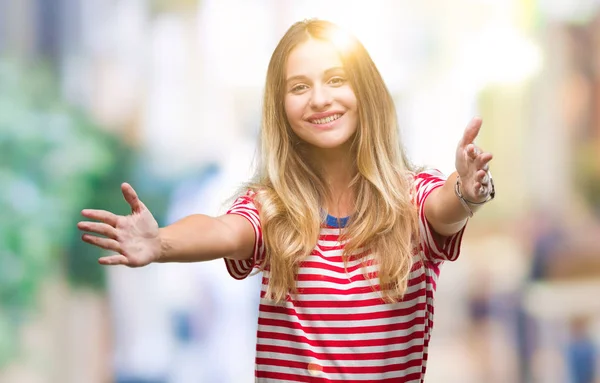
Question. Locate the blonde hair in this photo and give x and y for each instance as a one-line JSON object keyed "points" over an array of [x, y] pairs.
{"points": [[290, 192]]}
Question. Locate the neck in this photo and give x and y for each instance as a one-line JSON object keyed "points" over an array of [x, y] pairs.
{"points": [[337, 169]]}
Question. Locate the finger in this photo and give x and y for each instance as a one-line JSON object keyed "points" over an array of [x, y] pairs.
{"points": [[480, 189], [104, 243], [486, 178], [101, 215], [471, 132], [481, 176], [116, 259], [472, 151], [483, 159], [475, 188], [131, 197], [98, 228]]}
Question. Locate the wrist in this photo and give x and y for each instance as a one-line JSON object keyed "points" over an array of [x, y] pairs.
{"points": [[472, 200], [471, 204], [163, 247]]}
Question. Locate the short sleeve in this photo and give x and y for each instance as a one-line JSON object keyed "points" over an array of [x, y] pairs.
{"points": [[424, 183], [244, 206]]}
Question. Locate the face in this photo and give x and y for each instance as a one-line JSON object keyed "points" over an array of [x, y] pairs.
{"points": [[320, 104]]}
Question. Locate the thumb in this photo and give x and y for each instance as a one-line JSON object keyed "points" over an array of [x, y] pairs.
{"points": [[131, 198], [471, 132]]}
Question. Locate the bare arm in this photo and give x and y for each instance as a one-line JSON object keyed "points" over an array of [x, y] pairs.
{"points": [[199, 238], [136, 240]]}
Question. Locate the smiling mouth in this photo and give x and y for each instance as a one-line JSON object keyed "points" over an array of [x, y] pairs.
{"points": [[325, 120]]}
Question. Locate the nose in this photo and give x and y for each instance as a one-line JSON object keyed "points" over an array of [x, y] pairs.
{"points": [[320, 98]]}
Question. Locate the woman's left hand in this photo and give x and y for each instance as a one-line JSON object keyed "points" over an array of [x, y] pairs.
{"points": [[472, 165]]}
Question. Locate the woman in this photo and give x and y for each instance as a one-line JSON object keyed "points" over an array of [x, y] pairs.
{"points": [[350, 239]]}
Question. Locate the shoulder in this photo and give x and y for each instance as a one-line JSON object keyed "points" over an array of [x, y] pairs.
{"points": [[423, 182], [257, 196], [245, 198], [425, 176]]}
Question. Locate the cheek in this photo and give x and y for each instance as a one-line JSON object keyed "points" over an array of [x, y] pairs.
{"points": [[293, 111], [350, 99], [291, 115]]}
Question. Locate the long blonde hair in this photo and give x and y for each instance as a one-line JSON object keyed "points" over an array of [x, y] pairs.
{"points": [[290, 192]]}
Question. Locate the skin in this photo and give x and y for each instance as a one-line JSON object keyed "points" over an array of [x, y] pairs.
{"points": [[317, 87]]}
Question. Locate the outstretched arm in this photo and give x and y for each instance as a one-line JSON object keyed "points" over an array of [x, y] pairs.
{"points": [[202, 238], [136, 239], [443, 208]]}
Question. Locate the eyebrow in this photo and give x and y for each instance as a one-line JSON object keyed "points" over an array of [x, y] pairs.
{"points": [[327, 72]]}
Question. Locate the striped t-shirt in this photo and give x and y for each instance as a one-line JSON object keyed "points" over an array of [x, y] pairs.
{"points": [[336, 328]]}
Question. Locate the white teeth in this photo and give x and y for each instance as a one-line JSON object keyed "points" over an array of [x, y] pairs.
{"points": [[326, 120]]}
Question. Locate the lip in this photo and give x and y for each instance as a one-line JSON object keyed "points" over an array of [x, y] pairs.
{"points": [[328, 125], [317, 116]]}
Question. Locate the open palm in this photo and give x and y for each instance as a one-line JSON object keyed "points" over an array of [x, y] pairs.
{"points": [[134, 238]]}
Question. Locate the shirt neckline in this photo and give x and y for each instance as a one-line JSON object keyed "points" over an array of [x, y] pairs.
{"points": [[336, 222]]}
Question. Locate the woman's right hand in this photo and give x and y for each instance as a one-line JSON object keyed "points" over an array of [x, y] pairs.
{"points": [[134, 238]]}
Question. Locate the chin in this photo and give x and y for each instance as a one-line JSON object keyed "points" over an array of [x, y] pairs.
{"points": [[328, 140], [331, 143]]}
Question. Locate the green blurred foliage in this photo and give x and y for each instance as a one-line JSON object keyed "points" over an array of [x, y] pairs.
{"points": [[53, 161]]}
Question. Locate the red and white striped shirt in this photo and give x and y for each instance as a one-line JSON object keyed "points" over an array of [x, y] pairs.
{"points": [[336, 328]]}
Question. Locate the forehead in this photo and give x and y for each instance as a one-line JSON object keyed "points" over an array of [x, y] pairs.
{"points": [[312, 58]]}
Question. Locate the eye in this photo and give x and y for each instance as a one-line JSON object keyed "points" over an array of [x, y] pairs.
{"points": [[337, 81], [298, 88]]}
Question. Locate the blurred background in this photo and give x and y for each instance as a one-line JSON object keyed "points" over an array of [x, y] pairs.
{"points": [[166, 94]]}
